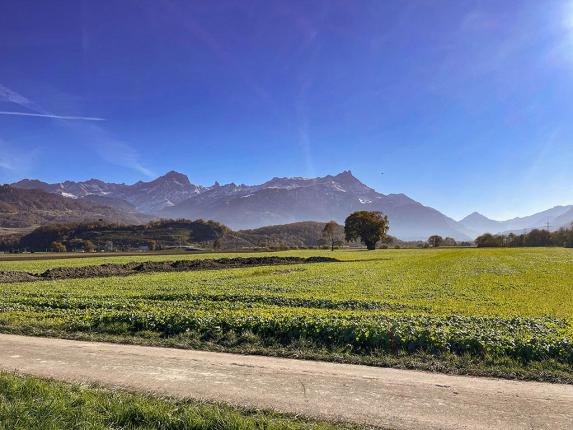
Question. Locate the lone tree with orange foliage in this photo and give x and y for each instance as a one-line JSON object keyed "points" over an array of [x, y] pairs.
{"points": [[435, 241], [368, 226]]}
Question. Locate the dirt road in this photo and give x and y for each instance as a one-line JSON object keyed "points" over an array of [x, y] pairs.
{"points": [[383, 397]]}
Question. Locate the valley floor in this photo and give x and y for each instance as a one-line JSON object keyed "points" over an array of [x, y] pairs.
{"points": [[481, 312], [388, 398], [487, 312]]}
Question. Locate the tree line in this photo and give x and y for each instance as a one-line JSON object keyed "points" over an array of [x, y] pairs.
{"points": [[536, 237], [368, 227]]}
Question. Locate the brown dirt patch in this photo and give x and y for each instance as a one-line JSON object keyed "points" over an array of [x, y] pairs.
{"points": [[107, 270]]}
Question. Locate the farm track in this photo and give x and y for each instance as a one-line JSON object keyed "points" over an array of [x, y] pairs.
{"points": [[108, 270], [392, 398]]}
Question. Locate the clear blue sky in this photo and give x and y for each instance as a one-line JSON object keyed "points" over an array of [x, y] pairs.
{"points": [[464, 105]]}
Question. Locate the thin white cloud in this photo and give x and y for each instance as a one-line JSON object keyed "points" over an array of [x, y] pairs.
{"points": [[303, 122], [10, 96], [7, 161], [97, 138], [562, 52], [13, 162], [108, 147], [6, 94], [42, 115], [121, 154]]}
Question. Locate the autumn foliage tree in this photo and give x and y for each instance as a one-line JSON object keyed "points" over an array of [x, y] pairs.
{"points": [[435, 241], [330, 233], [368, 226], [89, 246], [58, 247]]}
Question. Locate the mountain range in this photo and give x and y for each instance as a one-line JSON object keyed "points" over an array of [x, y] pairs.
{"points": [[552, 219], [20, 208], [146, 197], [280, 201]]}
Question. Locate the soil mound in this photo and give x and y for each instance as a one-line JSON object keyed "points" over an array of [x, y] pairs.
{"points": [[107, 270], [13, 276]]}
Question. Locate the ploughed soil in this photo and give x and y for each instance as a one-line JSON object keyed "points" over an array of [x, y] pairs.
{"points": [[106, 270]]}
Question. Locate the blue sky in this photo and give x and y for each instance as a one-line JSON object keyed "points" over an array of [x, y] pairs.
{"points": [[464, 105]]}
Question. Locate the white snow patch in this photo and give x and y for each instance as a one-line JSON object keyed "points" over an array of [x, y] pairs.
{"points": [[69, 195], [248, 195], [364, 201], [284, 187]]}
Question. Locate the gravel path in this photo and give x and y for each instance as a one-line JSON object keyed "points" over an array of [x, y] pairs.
{"points": [[393, 398]]}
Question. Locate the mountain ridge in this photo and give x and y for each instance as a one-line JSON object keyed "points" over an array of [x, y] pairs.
{"points": [[557, 217], [30, 207], [289, 200], [283, 200], [280, 200], [147, 197]]}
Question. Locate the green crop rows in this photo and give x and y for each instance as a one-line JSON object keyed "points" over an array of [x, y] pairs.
{"points": [[515, 303]]}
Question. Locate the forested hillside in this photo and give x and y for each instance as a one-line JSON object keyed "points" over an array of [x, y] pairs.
{"points": [[113, 237]]}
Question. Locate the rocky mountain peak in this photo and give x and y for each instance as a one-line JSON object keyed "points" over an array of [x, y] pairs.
{"points": [[349, 182], [346, 175], [173, 176]]}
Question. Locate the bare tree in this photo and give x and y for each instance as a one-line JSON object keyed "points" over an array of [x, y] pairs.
{"points": [[330, 232]]}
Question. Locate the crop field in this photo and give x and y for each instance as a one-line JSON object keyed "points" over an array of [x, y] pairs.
{"points": [[506, 312]]}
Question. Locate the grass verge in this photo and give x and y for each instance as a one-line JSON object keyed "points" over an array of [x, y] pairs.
{"points": [[34, 403]]}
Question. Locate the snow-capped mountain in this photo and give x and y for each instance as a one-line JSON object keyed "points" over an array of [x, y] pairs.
{"points": [[147, 197], [277, 201], [286, 200]]}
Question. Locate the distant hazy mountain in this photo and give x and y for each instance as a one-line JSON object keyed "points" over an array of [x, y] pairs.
{"points": [[565, 219], [25, 208], [478, 224], [278, 201], [556, 217]]}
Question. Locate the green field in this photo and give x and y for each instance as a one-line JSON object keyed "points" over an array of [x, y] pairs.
{"points": [[506, 312]]}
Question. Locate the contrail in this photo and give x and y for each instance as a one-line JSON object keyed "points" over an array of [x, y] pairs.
{"points": [[83, 118]]}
